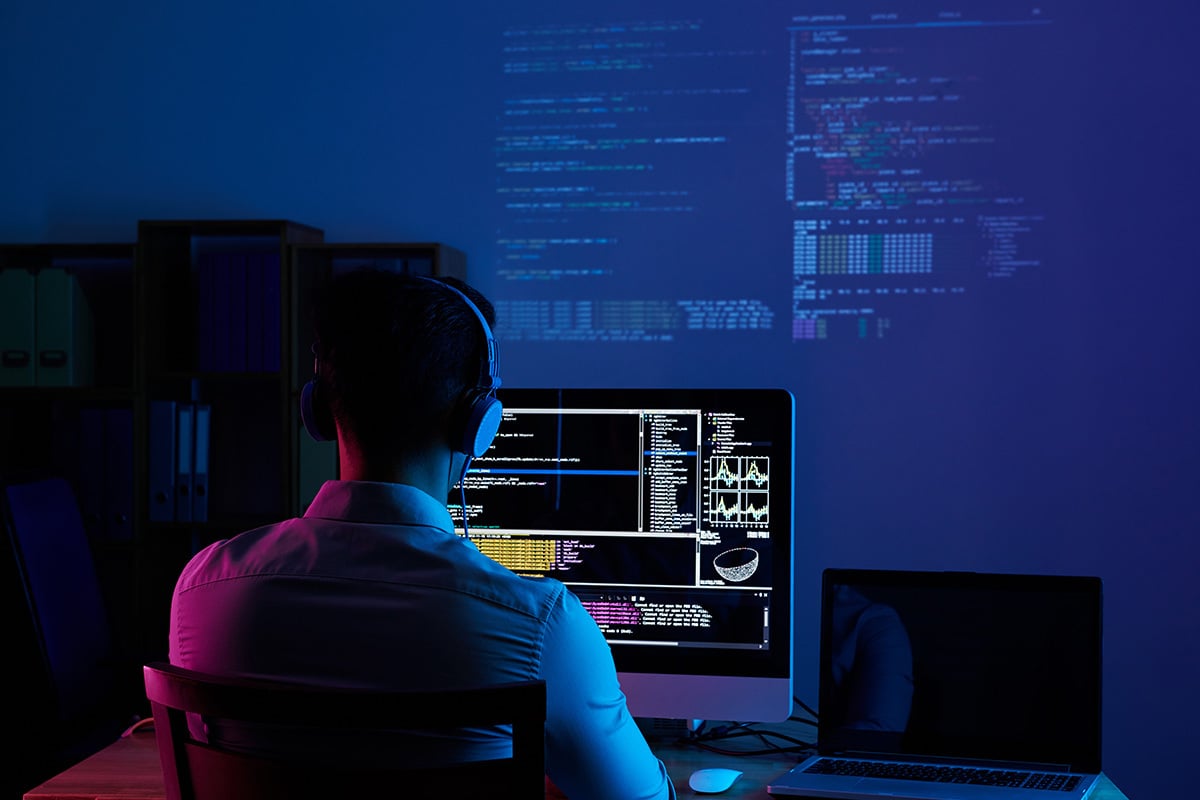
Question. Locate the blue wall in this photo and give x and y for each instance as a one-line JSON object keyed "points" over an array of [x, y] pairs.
{"points": [[1045, 423]]}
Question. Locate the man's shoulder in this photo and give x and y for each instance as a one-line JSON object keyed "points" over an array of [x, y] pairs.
{"points": [[534, 596], [224, 555]]}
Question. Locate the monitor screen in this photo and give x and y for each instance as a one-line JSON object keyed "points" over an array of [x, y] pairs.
{"points": [[668, 512]]}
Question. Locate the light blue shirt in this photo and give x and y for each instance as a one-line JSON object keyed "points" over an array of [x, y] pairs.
{"points": [[372, 587]]}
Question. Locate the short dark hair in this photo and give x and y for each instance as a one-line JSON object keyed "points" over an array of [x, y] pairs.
{"points": [[396, 353]]}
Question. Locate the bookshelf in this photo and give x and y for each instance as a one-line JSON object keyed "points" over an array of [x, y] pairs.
{"points": [[215, 374], [68, 387], [263, 467], [68, 393], [195, 314]]}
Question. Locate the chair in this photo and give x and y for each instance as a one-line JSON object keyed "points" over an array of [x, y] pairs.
{"points": [[197, 771], [77, 692]]}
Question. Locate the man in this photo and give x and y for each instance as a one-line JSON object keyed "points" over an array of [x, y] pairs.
{"points": [[372, 587]]}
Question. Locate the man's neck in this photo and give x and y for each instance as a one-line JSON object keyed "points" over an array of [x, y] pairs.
{"points": [[429, 470]]}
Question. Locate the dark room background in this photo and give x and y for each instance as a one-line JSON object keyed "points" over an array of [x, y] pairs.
{"points": [[963, 235]]}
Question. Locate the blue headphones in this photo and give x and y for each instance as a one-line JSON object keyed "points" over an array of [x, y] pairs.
{"points": [[478, 415]]}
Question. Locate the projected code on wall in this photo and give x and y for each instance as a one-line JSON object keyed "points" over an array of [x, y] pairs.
{"points": [[600, 134], [642, 193], [896, 167]]}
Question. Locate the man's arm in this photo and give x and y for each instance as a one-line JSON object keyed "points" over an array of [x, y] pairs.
{"points": [[594, 749]]}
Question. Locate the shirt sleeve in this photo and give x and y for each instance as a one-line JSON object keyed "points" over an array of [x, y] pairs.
{"points": [[594, 749]]}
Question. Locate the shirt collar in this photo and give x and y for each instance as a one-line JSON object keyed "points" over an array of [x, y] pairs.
{"points": [[382, 503]]}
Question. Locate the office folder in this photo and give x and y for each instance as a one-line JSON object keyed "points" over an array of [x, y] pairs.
{"points": [[255, 324], [272, 313], [206, 311], [94, 450], [90, 468], [221, 276], [64, 330], [203, 415], [237, 313], [118, 474], [184, 433], [17, 327], [162, 462]]}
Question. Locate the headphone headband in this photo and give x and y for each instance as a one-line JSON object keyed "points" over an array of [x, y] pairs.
{"points": [[493, 363]]}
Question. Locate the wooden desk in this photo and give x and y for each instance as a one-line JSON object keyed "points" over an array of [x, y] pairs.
{"points": [[128, 769]]}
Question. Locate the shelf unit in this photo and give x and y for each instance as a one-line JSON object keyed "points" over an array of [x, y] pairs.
{"points": [[205, 312], [80, 425], [217, 332], [68, 392], [210, 312]]}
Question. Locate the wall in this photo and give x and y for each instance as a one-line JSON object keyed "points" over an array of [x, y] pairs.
{"points": [[1045, 424]]}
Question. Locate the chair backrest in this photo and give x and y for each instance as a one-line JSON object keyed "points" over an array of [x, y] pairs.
{"points": [[54, 560], [60, 649], [194, 770]]}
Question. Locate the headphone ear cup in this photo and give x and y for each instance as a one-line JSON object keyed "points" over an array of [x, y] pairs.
{"points": [[316, 414], [481, 422]]}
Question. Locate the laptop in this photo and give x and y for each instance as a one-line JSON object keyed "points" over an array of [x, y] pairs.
{"points": [[938, 685]]}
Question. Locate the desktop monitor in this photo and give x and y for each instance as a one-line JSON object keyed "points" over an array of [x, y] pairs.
{"points": [[669, 513]]}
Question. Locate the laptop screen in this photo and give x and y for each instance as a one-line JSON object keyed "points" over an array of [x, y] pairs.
{"points": [[975, 666]]}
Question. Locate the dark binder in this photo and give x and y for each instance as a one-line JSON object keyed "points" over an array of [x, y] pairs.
{"points": [[206, 312], [237, 313], [64, 330], [92, 463], [17, 327], [272, 313], [221, 323], [118, 474], [161, 478], [184, 433], [203, 416], [255, 324]]}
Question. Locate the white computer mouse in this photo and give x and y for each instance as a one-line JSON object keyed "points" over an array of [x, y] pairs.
{"points": [[713, 780]]}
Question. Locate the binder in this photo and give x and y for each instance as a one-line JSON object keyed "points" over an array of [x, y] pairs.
{"points": [[255, 322], [91, 468], [184, 433], [206, 292], [272, 313], [118, 474], [220, 322], [161, 478], [63, 330], [100, 467], [17, 327], [237, 313], [203, 415]]}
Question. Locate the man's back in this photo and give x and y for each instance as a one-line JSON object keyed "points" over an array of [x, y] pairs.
{"points": [[373, 588]]}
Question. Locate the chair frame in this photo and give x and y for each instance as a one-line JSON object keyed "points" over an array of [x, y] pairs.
{"points": [[194, 770]]}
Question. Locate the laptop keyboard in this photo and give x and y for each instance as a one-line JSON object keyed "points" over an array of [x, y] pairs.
{"points": [[1050, 781]]}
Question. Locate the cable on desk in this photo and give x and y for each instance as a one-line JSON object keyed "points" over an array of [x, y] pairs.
{"points": [[706, 737], [704, 740], [809, 710], [141, 723]]}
